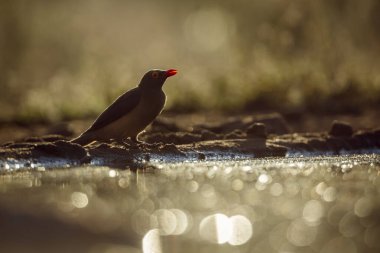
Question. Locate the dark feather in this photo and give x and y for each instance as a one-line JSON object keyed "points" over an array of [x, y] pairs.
{"points": [[121, 106]]}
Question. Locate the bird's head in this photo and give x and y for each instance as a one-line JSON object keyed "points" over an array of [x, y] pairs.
{"points": [[154, 79]]}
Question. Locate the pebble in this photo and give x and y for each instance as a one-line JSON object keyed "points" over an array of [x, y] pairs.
{"points": [[341, 129], [258, 130]]}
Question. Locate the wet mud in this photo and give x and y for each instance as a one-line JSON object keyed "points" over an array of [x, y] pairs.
{"points": [[168, 140]]}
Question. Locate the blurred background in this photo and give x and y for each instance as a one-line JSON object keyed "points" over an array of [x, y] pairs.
{"points": [[62, 60]]}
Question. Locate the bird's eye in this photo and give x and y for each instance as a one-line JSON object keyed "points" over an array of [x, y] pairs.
{"points": [[155, 74]]}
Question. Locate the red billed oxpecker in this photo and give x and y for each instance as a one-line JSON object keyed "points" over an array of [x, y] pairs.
{"points": [[130, 113]]}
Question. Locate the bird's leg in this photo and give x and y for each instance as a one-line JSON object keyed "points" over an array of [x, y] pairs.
{"points": [[138, 142]]}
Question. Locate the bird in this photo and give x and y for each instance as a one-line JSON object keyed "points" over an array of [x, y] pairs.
{"points": [[131, 112]]}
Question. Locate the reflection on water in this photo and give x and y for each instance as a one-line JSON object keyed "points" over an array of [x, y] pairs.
{"points": [[276, 205], [151, 242]]}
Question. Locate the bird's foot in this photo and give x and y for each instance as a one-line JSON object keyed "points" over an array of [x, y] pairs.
{"points": [[141, 143], [133, 141]]}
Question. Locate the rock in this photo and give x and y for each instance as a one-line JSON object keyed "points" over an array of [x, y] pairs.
{"points": [[376, 132], [188, 138], [171, 149], [341, 129], [86, 159], [236, 134], [201, 156], [47, 149], [60, 148], [53, 137], [364, 138], [33, 139], [278, 150], [338, 144], [270, 150], [146, 157], [21, 145], [274, 122], [73, 150], [45, 138], [257, 130], [301, 146], [7, 144], [355, 143], [176, 138], [208, 135], [318, 144]]}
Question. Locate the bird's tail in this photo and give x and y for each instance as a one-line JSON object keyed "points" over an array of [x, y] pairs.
{"points": [[83, 139]]}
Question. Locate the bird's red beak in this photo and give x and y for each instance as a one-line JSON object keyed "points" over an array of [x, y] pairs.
{"points": [[171, 72]]}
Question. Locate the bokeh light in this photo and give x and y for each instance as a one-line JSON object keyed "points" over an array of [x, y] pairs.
{"points": [[151, 242], [304, 207], [313, 211], [340, 244], [241, 230], [299, 233], [208, 29], [276, 54], [79, 199], [164, 220], [216, 228], [182, 221]]}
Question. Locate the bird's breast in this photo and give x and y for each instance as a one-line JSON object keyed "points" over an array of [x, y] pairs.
{"points": [[145, 112], [151, 105]]}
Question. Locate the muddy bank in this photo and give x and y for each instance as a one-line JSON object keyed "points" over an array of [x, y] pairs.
{"points": [[168, 140]]}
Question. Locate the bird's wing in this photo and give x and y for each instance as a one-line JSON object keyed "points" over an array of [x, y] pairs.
{"points": [[121, 106]]}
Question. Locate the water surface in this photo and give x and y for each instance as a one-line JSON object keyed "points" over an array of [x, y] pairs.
{"points": [[321, 204]]}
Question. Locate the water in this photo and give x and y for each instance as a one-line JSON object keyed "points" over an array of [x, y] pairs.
{"points": [[321, 204]]}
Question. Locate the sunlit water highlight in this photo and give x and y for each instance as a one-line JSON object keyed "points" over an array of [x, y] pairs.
{"points": [[321, 204]]}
